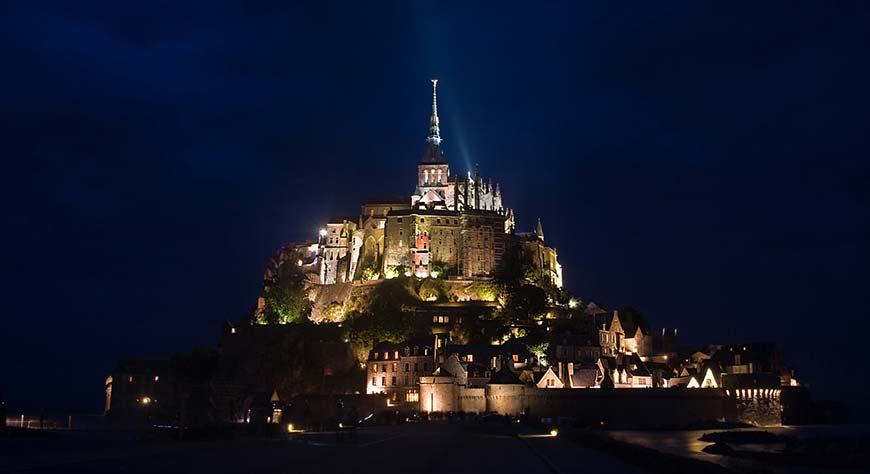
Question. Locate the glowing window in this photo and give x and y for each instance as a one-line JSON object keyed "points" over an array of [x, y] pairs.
{"points": [[515, 357], [470, 357]]}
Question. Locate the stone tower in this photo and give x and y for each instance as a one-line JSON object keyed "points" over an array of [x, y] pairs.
{"points": [[432, 171]]}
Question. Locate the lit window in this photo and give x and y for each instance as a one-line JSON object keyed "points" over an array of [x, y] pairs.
{"points": [[130, 378], [156, 378], [396, 355], [516, 357], [395, 366], [470, 357]]}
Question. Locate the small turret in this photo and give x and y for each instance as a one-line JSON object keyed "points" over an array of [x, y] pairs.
{"points": [[539, 230]]}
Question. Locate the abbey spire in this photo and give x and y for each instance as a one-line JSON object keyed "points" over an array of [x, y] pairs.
{"points": [[434, 132], [433, 153]]}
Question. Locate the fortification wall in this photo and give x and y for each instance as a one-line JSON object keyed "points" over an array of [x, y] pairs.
{"points": [[626, 407], [438, 394], [472, 400]]}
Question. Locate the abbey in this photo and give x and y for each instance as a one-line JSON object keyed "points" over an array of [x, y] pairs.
{"points": [[454, 225]]}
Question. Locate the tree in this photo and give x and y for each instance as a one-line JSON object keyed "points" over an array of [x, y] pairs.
{"points": [[526, 303], [287, 304], [432, 290], [540, 351], [333, 312]]}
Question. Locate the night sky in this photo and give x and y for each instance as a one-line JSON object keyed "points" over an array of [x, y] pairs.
{"points": [[705, 164]]}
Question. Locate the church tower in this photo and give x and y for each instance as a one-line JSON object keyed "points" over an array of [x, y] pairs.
{"points": [[432, 171]]}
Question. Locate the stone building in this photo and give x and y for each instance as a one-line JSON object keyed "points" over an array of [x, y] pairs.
{"points": [[541, 262], [455, 223], [395, 369]]}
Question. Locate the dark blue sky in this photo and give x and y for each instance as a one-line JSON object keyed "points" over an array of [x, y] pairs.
{"points": [[706, 164]]}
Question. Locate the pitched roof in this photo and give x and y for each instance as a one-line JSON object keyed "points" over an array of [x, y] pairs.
{"points": [[505, 377], [584, 377], [433, 155]]}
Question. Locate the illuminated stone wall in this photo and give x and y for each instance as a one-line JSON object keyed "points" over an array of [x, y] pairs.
{"points": [[640, 407], [472, 400], [400, 236], [483, 243], [438, 394]]}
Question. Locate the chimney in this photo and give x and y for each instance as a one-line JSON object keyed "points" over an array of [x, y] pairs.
{"points": [[561, 373]]}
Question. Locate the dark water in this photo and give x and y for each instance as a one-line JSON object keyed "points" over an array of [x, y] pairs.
{"points": [[686, 443]]}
